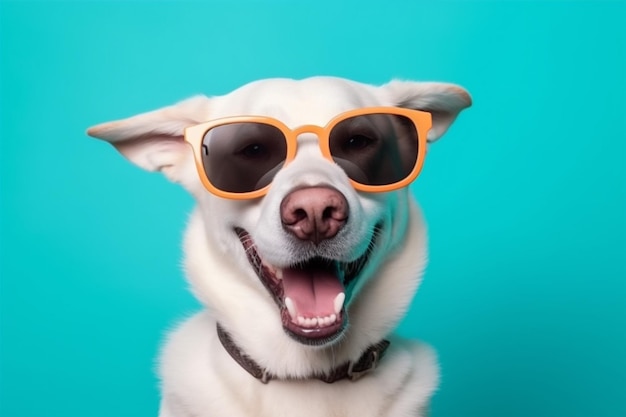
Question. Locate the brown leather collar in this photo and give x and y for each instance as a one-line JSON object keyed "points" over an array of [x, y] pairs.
{"points": [[350, 370]]}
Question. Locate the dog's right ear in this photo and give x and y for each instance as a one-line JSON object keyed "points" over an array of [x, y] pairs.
{"points": [[443, 101], [154, 140]]}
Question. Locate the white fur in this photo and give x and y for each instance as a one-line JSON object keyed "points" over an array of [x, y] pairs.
{"points": [[199, 378]]}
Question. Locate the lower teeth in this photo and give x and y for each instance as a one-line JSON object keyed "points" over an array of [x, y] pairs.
{"points": [[310, 322]]}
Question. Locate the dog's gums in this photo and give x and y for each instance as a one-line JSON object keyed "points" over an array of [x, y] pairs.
{"points": [[311, 295]]}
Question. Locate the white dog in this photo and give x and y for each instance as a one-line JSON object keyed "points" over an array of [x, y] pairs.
{"points": [[305, 246]]}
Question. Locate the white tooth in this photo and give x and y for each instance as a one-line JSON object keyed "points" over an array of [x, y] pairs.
{"points": [[326, 321], [338, 303], [278, 273], [291, 308], [314, 322], [301, 320], [308, 322], [333, 318]]}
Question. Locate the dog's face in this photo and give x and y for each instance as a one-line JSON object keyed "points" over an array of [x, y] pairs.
{"points": [[301, 254]]}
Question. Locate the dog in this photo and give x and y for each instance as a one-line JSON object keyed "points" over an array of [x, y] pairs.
{"points": [[305, 245]]}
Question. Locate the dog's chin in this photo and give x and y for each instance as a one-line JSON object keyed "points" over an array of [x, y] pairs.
{"points": [[310, 295]]}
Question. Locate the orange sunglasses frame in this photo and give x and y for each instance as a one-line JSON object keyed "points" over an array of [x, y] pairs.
{"points": [[422, 120]]}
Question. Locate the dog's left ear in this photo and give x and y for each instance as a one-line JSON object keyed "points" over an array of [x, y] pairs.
{"points": [[154, 140], [443, 101]]}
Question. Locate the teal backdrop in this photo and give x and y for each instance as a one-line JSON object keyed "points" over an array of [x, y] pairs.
{"points": [[525, 294]]}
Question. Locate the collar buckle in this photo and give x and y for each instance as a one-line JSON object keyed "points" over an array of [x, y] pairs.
{"points": [[265, 377], [358, 369]]}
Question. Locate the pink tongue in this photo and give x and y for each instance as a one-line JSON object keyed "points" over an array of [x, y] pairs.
{"points": [[313, 292]]}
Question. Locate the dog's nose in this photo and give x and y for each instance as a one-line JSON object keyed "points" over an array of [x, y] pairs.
{"points": [[314, 213]]}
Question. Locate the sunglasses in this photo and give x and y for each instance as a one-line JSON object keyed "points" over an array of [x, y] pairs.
{"points": [[379, 148]]}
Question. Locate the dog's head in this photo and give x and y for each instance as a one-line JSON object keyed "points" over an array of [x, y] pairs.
{"points": [[313, 256]]}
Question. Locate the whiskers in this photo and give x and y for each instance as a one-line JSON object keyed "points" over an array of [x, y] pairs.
{"points": [[250, 249]]}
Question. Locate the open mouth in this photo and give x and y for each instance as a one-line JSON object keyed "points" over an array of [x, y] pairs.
{"points": [[311, 295]]}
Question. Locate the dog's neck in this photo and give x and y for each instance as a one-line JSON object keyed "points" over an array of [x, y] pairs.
{"points": [[349, 370]]}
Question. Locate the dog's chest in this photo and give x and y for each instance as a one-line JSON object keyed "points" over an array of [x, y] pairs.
{"points": [[200, 379], [343, 399]]}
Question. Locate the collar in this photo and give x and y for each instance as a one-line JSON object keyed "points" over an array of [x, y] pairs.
{"points": [[349, 370]]}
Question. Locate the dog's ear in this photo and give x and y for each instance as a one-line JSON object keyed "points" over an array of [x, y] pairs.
{"points": [[443, 101], [154, 140]]}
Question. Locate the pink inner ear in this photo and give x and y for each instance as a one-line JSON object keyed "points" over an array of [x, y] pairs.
{"points": [[153, 153]]}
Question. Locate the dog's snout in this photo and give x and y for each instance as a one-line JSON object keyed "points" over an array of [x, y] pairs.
{"points": [[314, 213]]}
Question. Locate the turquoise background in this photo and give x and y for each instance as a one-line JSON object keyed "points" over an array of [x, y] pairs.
{"points": [[525, 295]]}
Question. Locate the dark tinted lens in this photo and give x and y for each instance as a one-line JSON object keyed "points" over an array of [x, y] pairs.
{"points": [[375, 149], [243, 157]]}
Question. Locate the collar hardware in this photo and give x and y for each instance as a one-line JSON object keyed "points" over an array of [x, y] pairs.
{"points": [[355, 374]]}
